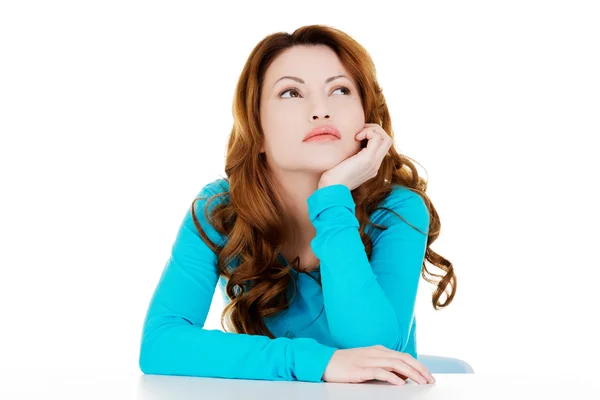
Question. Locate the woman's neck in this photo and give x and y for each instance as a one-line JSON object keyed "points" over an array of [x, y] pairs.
{"points": [[294, 189]]}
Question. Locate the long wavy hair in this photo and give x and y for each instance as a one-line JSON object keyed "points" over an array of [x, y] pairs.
{"points": [[253, 219]]}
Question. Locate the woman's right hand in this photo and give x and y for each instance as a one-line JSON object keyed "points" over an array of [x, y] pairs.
{"points": [[375, 363]]}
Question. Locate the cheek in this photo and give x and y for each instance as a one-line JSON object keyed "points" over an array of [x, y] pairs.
{"points": [[359, 116], [354, 121], [280, 145], [352, 114]]}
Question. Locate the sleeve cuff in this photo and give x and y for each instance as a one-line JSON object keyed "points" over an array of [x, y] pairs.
{"points": [[328, 197], [312, 359]]}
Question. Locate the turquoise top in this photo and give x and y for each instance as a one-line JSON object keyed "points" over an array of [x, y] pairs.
{"points": [[349, 301]]}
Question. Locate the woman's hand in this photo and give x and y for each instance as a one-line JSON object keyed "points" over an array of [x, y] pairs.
{"points": [[375, 362], [365, 164]]}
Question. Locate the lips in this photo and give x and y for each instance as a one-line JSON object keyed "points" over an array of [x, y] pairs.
{"points": [[323, 130]]}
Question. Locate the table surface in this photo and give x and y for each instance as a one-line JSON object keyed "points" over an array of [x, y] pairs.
{"points": [[105, 384]]}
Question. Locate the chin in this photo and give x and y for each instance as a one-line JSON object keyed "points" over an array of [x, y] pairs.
{"points": [[322, 164], [317, 161]]}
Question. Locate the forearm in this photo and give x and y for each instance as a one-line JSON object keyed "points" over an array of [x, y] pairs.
{"points": [[358, 310], [171, 346]]}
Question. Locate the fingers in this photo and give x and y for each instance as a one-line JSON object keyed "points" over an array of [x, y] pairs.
{"points": [[418, 366], [409, 360], [405, 369], [384, 148], [379, 142], [400, 375], [370, 133], [384, 375], [374, 144]]}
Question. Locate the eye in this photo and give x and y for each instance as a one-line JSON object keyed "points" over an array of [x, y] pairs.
{"points": [[343, 87], [288, 90], [294, 90]]}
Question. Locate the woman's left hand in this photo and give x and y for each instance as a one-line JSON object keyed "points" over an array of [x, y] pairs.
{"points": [[364, 165]]}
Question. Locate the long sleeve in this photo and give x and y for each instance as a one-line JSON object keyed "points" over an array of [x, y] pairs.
{"points": [[368, 302], [174, 341]]}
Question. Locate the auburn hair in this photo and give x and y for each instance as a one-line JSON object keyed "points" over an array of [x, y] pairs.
{"points": [[253, 220]]}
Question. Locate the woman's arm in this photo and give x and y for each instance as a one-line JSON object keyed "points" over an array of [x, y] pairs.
{"points": [[174, 341], [368, 303]]}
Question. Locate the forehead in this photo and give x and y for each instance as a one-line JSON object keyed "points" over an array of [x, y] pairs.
{"points": [[306, 62]]}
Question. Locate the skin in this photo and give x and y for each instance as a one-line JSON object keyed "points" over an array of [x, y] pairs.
{"points": [[289, 110]]}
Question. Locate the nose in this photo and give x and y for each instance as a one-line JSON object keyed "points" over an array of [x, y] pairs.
{"points": [[319, 108]]}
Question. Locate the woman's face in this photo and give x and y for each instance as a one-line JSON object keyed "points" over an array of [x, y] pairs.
{"points": [[290, 109]]}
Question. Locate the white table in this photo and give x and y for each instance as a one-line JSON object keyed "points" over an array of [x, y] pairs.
{"points": [[101, 384]]}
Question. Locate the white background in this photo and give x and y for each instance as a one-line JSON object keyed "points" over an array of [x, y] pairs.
{"points": [[114, 114]]}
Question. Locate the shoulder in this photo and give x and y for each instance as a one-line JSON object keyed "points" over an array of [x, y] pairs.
{"points": [[219, 189], [406, 203], [220, 185]]}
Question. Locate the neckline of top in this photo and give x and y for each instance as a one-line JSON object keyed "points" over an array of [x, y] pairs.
{"points": [[317, 269]]}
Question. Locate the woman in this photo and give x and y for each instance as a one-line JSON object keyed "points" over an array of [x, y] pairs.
{"points": [[317, 236]]}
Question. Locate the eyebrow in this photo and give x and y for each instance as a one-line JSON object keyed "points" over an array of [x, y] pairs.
{"points": [[301, 81]]}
